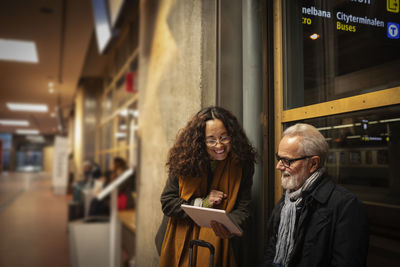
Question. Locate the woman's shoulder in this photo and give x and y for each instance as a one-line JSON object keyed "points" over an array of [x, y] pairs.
{"points": [[248, 166], [247, 169]]}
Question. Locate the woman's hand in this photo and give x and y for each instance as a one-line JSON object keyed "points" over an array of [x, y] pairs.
{"points": [[215, 197], [220, 230]]}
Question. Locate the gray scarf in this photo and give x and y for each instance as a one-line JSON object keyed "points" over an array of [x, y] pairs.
{"points": [[284, 245]]}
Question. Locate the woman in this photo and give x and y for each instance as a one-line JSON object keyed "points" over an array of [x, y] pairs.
{"points": [[125, 199], [211, 164]]}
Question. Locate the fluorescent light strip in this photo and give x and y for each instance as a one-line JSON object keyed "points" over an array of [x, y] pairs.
{"points": [[32, 131], [27, 107], [353, 136], [390, 120], [14, 122], [324, 128], [21, 51], [343, 126], [356, 124]]}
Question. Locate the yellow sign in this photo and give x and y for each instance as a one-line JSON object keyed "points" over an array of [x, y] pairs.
{"points": [[393, 5]]}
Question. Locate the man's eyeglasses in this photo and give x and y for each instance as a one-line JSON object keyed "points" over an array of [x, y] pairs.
{"points": [[286, 161], [223, 140]]}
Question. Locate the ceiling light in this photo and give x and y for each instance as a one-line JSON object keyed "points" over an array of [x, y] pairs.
{"points": [[51, 90], [51, 84], [53, 115], [314, 36], [22, 51], [27, 107], [14, 122], [35, 138], [21, 131]]}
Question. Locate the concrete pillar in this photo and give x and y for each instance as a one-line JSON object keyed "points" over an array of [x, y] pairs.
{"points": [[176, 79]]}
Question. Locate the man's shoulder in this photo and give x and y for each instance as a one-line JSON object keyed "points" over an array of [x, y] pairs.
{"points": [[337, 193]]}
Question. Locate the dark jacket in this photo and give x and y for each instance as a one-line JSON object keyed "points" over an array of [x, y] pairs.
{"points": [[241, 213], [331, 228]]}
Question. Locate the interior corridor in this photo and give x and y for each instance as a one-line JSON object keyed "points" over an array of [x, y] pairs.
{"points": [[33, 222]]}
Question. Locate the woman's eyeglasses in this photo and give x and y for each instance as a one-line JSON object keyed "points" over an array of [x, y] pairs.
{"points": [[223, 140], [286, 161]]}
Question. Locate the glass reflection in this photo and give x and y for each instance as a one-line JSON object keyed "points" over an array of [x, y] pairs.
{"points": [[337, 49], [364, 152]]}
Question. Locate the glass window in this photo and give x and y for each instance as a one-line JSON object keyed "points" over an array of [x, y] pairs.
{"points": [[6, 159], [28, 160], [364, 152], [7, 141], [337, 49]]}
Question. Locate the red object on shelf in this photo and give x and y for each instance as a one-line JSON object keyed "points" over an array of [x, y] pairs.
{"points": [[130, 82], [122, 201]]}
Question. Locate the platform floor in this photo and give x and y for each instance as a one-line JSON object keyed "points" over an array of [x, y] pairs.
{"points": [[33, 222]]}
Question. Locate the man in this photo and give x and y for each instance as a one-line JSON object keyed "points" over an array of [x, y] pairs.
{"points": [[316, 222]]}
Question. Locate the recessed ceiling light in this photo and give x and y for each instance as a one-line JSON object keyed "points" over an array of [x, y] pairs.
{"points": [[27, 107], [32, 131], [51, 90], [22, 51], [53, 115], [14, 122]]}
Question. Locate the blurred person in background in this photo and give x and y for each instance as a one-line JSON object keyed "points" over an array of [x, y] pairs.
{"points": [[91, 172], [125, 190]]}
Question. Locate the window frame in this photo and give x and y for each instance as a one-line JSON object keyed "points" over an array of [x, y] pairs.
{"points": [[360, 102]]}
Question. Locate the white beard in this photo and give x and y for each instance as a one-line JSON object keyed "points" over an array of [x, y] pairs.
{"points": [[293, 182]]}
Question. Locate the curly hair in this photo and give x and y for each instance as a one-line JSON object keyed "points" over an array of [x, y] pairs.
{"points": [[189, 157]]}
